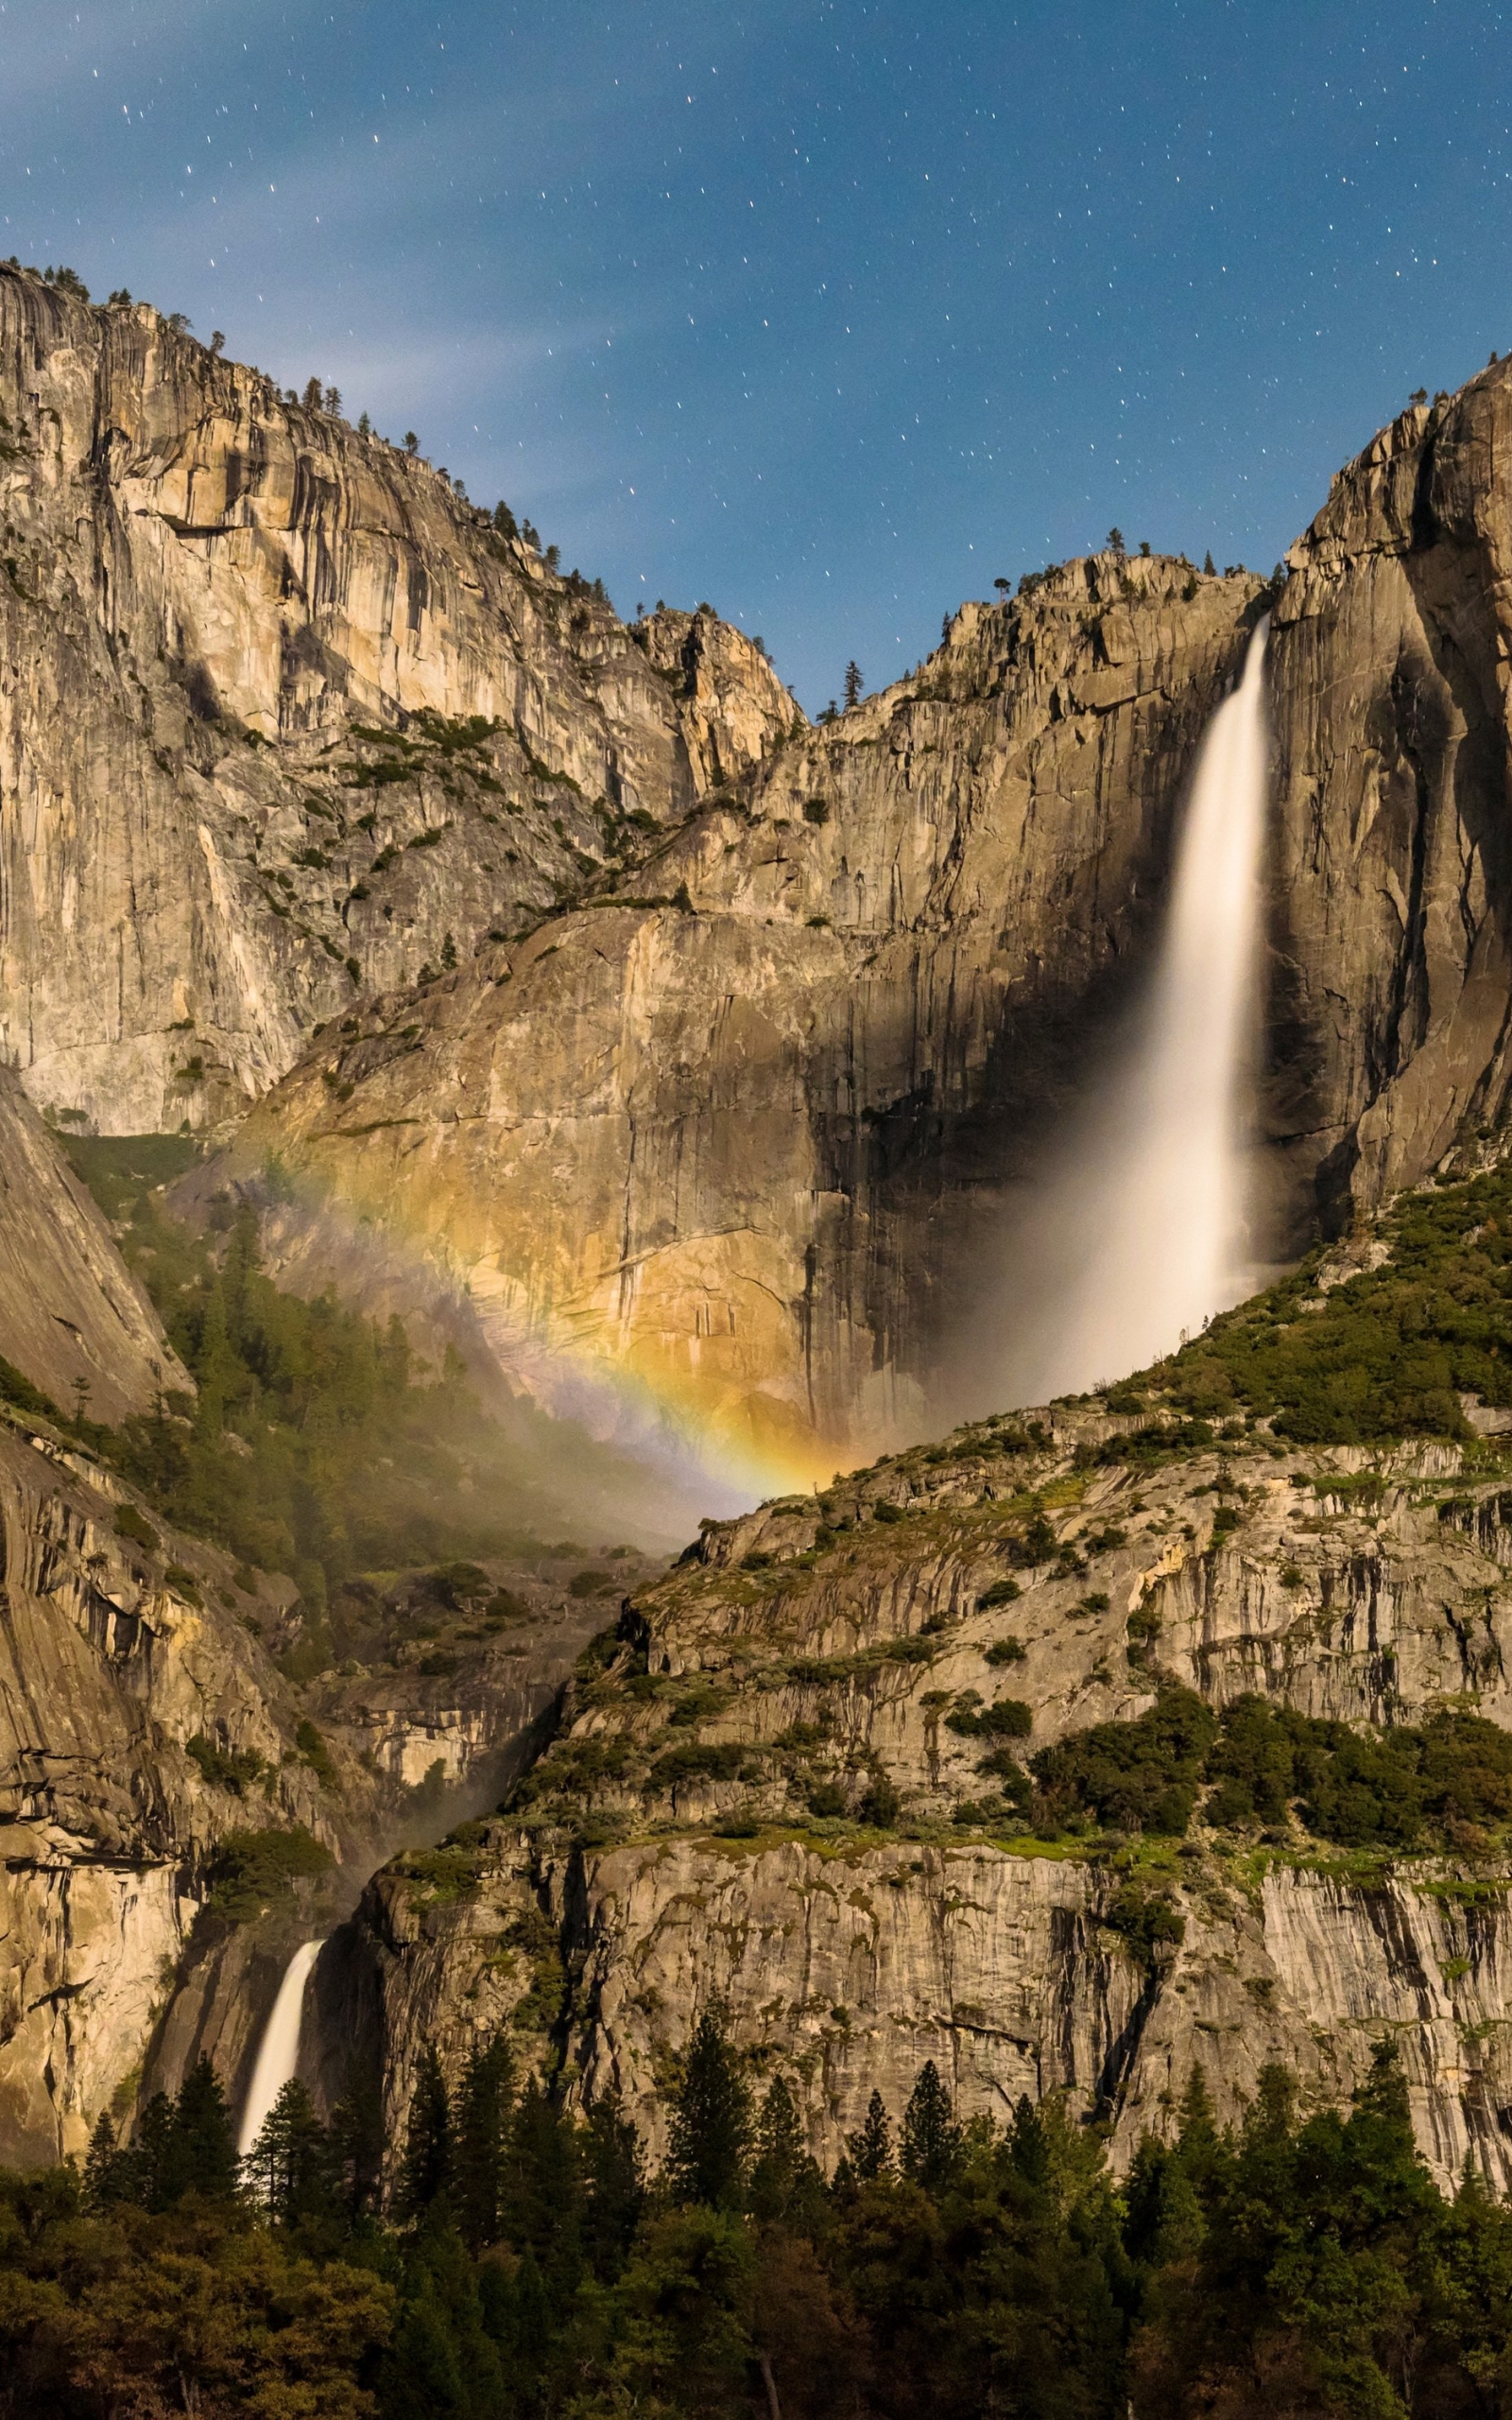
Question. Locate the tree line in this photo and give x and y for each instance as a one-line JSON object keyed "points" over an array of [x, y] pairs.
{"points": [[526, 2265]]}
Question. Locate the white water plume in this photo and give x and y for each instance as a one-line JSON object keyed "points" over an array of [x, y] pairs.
{"points": [[278, 2053], [1138, 1231]]}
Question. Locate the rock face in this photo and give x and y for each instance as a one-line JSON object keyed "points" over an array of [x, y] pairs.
{"points": [[697, 1153], [1393, 894], [242, 650], [72, 1317], [107, 1824], [847, 1972]]}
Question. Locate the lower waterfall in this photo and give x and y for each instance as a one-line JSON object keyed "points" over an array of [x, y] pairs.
{"points": [[1136, 1233], [278, 2052]]}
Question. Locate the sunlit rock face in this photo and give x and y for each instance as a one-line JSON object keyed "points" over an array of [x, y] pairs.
{"points": [[698, 1152], [202, 593]]}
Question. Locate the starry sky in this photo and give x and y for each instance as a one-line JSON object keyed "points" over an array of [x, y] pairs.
{"points": [[828, 311]]}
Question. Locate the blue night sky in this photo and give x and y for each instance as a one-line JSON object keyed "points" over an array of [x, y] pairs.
{"points": [[829, 311]]}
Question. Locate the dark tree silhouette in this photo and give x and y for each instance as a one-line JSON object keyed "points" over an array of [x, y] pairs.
{"points": [[932, 2139], [710, 2134], [426, 2172]]}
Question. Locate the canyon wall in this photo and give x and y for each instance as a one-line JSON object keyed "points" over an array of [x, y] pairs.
{"points": [[686, 1049], [694, 1152], [692, 1834], [283, 718], [788, 1090]]}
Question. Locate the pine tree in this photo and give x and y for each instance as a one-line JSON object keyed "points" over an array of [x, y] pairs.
{"points": [[1115, 542], [1207, 563], [426, 2173], [290, 2164], [870, 2147], [1028, 2153], [204, 2150], [932, 2139], [542, 2195], [710, 2134], [482, 2119], [153, 2153], [614, 2186], [852, 684], [782, 2153], [357, 2146], [312, 397], [104, 2178]]}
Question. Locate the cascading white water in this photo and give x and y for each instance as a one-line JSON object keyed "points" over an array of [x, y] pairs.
{"points": [[278, 2052], [1138, 1231]]}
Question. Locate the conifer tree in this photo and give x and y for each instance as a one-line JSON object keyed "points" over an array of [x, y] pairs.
{"points": [[710, 2134], [781, 2154], [931, 2139], [104, 2179], [426, 2173], [541, 2209], [1028, 2153], [152, 2153], [871, 2147], [203, 2147], [1207, 563], [614, 2186], [482, 2119], [852, 682], [357, 2146], [290, 2164]]}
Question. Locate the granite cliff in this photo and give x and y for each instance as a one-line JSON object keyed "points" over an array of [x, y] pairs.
{"points": [[778, 1784], [788, 1078], [283, 719]]}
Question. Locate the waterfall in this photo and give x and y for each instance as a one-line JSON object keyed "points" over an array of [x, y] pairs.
{"points": [[278, 2052], [1138, 1229]]}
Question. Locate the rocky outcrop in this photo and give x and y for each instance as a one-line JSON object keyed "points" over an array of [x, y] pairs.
{"points": [[1014, 1974], [283, 719], [73, 1319]]}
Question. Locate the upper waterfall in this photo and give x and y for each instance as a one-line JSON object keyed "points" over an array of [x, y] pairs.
{"points": [[1138, 1233]]}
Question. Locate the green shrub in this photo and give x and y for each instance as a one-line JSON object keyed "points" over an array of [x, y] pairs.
{"points": [[1140, 1777], [17, 1389], [312, 1747], [1006, 1650], [1001, 1591], [225, 1768], [252, 1872], [130, 1524]]}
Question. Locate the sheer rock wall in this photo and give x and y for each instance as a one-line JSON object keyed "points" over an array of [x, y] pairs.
{"points": [[208, 597]]}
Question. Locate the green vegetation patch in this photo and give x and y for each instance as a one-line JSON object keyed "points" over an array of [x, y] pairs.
{"points": [[1444, 1783], [253, 1872], [1386, 1355]]}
